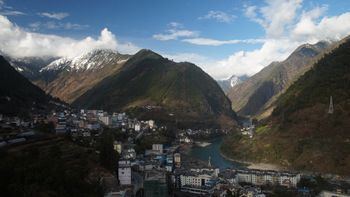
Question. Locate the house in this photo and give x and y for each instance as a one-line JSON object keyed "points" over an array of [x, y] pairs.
{"points": [[177, 159], [129, 153], [185, 140], [117, 146], [124, 172], [169, 168], [158, 148], [93, 126], [105, 119], [137, 127], [151, 124]]}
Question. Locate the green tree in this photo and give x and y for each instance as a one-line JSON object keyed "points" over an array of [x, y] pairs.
{"points": [[108, 156]]}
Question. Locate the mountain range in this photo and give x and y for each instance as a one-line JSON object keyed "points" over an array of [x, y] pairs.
{"points": [[69, 78], [291, 96], [146, 85], [256, 95]]}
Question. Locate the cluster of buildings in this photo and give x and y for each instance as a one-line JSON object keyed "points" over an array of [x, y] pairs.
{"points": [[148, 172], [248, 131], [197, 181], [68, 121], [209, 181], [248, 128], [188, 136], [157, 171], [15, 130]]}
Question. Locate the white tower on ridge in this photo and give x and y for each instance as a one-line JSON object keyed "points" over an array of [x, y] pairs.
{"points": [[209, 162], [331, 107]]}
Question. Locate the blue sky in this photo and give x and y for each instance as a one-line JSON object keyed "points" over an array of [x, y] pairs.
{"points": [[223, 37]]}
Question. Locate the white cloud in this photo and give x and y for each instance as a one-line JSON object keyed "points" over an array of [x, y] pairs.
{"points": [[54, 15], [286, 27], [174, 32], [275, 16], [213, 42], [312, 28], [18, 42], [56, 25], [175, 25], [11, 13], [8, 10], [250, 62], [219, 16]]}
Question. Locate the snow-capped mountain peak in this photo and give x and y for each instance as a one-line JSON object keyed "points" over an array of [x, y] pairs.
{"points": [[234, 80], [92, 60], [231, 82]]}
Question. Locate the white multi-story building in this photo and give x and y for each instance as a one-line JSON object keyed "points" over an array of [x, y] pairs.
{"points": [[106, 120], [261, 177], [61, 124], [332, 194], [124, 172], [194, 179], [137, 127], [244, 177], [151, 124]]}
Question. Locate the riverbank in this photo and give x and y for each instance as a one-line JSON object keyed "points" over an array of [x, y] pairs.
{"points": [[252, 165], [194, 153]]}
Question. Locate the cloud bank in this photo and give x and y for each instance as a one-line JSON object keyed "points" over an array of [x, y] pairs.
{"points": [[18, 42], [213, 42]]}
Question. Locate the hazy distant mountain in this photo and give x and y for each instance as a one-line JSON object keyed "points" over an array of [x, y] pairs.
{"points": [[301, 133], [69, 78], [255, 96], [180, 91], [29, 66], [18, 96], [229, 83]]}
